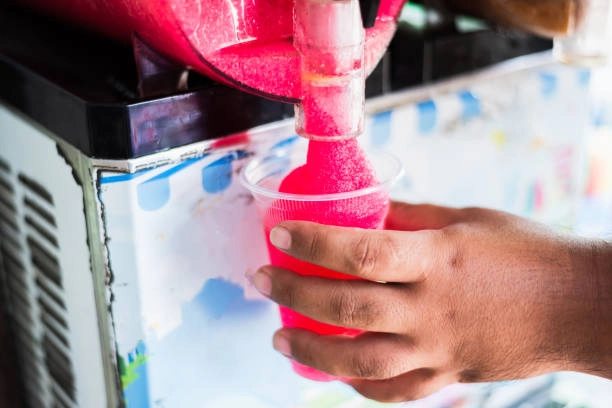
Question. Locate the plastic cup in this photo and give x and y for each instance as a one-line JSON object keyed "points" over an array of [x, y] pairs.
{"points": [[364, 208]]}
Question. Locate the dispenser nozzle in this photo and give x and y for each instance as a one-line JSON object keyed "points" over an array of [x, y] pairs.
{"points": [[330, 38]]}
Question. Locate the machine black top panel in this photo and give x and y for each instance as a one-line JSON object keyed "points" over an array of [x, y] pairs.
{"points": [[85, 89]]}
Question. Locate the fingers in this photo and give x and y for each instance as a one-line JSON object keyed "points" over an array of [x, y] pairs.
{"points": [[356, 304], [368, 356], [409, 386], [411, 217], [383, 256], [379, 366]]}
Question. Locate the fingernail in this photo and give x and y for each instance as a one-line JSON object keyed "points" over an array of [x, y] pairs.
{"points": [[262, 282], [281, 344], [280, 238]]}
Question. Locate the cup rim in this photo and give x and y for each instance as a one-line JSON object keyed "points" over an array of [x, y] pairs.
{"points": [[256, 190]]}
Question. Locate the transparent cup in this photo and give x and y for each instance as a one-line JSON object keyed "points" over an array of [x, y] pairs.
{"points": [[364, 208]]}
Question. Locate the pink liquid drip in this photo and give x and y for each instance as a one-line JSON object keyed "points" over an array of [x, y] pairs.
{"points": [[331, 167]]}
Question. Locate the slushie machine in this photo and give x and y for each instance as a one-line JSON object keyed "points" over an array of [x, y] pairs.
{"points": [[125, 234]]}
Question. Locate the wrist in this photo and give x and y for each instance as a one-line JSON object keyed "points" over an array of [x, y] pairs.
{"points": [[593, 281]]}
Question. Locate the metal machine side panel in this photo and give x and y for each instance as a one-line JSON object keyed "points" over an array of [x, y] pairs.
{"points": [[190, 330], [51, 243]]}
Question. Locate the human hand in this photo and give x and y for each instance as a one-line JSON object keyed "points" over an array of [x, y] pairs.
{"points": [[469, 295]]}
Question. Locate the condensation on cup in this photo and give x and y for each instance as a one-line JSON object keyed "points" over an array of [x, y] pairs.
{"points": [[589, 42]]}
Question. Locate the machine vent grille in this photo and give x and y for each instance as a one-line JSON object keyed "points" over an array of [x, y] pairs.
{"points": [[34, 289], [18, 289], [42, 244]]}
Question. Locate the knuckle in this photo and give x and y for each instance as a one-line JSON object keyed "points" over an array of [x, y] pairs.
{"points": [[354, 313], [365, 256], [472, 213], [455, 258], [364, 366], [373, 365], [347, 309], [316, 245], [304, 353], [470, 375], [452, 255], [343, 306], [288, 296], [432, 243]]}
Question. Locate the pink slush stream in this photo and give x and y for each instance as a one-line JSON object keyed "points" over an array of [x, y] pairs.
{"points": [[331, 167]]}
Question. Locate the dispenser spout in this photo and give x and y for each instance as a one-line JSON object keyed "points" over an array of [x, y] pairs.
{"points": [[329, 37]]}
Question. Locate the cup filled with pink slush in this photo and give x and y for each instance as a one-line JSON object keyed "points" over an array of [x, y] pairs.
{"points": [[362, 203]]}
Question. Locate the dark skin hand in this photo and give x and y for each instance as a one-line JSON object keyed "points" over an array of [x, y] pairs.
{"points": [[448, 295]]}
